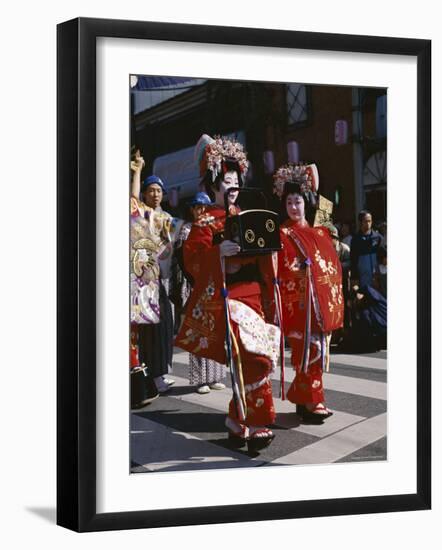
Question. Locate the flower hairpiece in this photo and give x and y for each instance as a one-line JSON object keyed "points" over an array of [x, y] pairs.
{"points": [[306, 175], [222, 148]]}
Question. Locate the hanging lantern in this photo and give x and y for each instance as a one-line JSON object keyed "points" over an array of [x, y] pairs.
{"points": [[293, 151], [269, 162], [341, 132]]}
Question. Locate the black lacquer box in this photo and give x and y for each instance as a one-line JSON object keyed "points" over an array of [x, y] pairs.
{"points": [[256, 230]]}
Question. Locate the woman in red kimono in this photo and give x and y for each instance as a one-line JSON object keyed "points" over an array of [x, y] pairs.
{"points": [[311, 289], [225, 316]]}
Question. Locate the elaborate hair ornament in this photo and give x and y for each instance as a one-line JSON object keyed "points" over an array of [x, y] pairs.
{"points": [[306, 175], [210, 153]]}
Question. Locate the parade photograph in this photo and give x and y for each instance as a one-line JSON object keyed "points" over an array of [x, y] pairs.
{"points": [[258, 274]]}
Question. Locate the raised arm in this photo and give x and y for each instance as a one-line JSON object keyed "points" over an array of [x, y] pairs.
{"points": [[136, 166]]}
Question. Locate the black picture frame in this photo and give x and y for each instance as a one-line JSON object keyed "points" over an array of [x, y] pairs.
{"points": [[76, 274]]}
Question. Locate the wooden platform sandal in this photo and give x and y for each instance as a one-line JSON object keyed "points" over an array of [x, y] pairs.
{"points": [[259, 438]]}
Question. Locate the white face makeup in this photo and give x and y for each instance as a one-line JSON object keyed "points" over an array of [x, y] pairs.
{"points": [[295, 207], [230, 180]]}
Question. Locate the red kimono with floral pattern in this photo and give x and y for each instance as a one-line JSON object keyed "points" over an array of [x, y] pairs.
{"points": [[251, 307], [312, 303]]}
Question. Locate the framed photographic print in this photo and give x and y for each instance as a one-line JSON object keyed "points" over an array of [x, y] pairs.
{"points": [[223, 202]]}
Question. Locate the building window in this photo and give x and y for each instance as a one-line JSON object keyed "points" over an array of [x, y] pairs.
{"points": [[297, 104]]}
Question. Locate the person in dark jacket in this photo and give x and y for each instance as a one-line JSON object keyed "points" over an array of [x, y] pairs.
{"points": [[369, 320], [363, 252]]}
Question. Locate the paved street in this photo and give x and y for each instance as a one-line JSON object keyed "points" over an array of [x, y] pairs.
{"points": [[182, 430]]}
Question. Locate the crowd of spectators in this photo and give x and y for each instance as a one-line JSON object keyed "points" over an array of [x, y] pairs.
{"points": [[363, 255]]}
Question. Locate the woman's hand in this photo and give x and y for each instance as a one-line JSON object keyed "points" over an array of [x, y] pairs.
{"points": [[229, 248]]}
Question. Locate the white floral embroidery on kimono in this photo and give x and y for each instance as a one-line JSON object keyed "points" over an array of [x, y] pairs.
{"points": [[257, 336]]}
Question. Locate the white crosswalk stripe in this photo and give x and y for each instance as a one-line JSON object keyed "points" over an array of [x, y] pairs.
{"points": [[363, 361], [332, 448], [355, 386]]}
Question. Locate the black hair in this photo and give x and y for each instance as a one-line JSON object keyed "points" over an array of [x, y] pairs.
{"points": [[228, 165], [292, 188], [187, 212], [362, 215]]}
